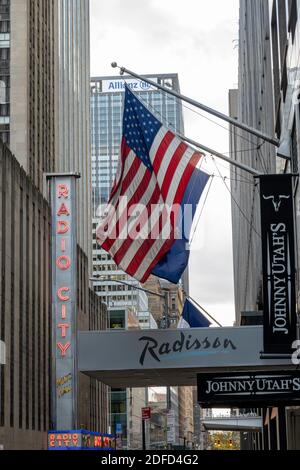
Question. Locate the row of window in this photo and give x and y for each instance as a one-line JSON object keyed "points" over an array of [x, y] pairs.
{"points": [[283, 25]]}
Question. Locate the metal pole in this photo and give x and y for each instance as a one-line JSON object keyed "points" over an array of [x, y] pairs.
{"points": [[144, 433], [201, 308], [95, 279], [242, 166], [166, 305], [224, 117]]}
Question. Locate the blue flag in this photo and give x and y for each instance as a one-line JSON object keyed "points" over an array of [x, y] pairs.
{"points": [[191, 317]]}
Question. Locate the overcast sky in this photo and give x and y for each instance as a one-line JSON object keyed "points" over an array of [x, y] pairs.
{"points": [[197, 39]]}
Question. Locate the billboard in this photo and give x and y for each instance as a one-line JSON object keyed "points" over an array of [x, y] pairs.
{"points": [[80, 440], [278, 258], [116, 85]]}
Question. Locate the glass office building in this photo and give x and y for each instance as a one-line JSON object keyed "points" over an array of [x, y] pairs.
{"points": [[106, 123], [106, 128]]}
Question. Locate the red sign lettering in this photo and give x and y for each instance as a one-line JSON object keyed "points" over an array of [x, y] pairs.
{"points": [[63, 191], [62, 227], [63, 348], [63, 327], [63, 312], [63, 262], [63, 210], [61, 295]]}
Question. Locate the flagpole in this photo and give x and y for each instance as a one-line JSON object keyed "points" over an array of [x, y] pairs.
{"points": [[218, 114], [201, 308], [240, 165]]}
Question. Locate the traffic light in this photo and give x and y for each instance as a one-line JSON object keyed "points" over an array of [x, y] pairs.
{"points": [[230, 443]]}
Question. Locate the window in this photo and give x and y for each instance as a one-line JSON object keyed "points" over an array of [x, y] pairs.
{"points": [[282, 28], [293, 16], [294, 162], [275, 52]]}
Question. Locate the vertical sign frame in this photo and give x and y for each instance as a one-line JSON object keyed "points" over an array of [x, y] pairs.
{"points": [[64, 300], [278, 262]]}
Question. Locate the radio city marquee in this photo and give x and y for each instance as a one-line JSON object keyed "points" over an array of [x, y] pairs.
{"points": [[63, 197], [80, 440], [278, 257], [264, 388]]}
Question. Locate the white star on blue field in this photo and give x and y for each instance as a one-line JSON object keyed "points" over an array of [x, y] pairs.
{"points": [[139, 127]]}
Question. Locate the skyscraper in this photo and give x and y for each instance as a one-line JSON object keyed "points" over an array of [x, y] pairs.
{"points": [[73, 106], [44, 92], [44, 119], [267, 98], [27, 81]]}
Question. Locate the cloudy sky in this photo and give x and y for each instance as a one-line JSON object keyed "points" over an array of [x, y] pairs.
{"points": [[197, 39]]}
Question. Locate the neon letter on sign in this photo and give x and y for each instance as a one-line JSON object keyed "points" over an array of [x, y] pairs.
{"points": [[62, 227], [63, 191], [63, 262], [63, 327], [63, 348], [63, 210], [61, 295]]}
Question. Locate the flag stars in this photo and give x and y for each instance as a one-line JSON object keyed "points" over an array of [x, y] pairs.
{"points": [[139, 127]]}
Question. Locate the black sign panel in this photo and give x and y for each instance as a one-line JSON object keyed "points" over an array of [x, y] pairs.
{"points": [[278, 259], [246, 389]]}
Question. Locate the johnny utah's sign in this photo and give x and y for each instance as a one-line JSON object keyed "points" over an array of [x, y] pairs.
{"points": [[278, 258], [265, 388]]}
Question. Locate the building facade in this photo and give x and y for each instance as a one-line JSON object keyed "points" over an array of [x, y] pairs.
{"points": [[24, 309], [25, 316], [44, 120], [72, 106], [27, 80], [186, 418], [44, 92], [267, 99], [106, 131], [253, 105], [93, 396]]}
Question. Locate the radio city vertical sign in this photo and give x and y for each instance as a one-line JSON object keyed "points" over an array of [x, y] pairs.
{"points": [[278, 259], [64, 295]]}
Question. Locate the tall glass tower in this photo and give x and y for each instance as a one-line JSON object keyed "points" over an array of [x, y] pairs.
{"points": [[106, 127]]}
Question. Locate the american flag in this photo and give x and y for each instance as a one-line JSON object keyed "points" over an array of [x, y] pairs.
{"points": [[154, 172]]}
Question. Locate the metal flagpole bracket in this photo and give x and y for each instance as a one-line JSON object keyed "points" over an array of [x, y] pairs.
{"points": [[218, 114], [240, 165]]}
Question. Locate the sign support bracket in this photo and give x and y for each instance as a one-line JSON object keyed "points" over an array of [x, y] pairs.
{"points": [[203, 107]]}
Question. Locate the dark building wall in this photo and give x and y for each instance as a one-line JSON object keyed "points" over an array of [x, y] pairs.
{"points": [[268, 85], [31, 53], [24, 308], [25, 314], [41, 73]]}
